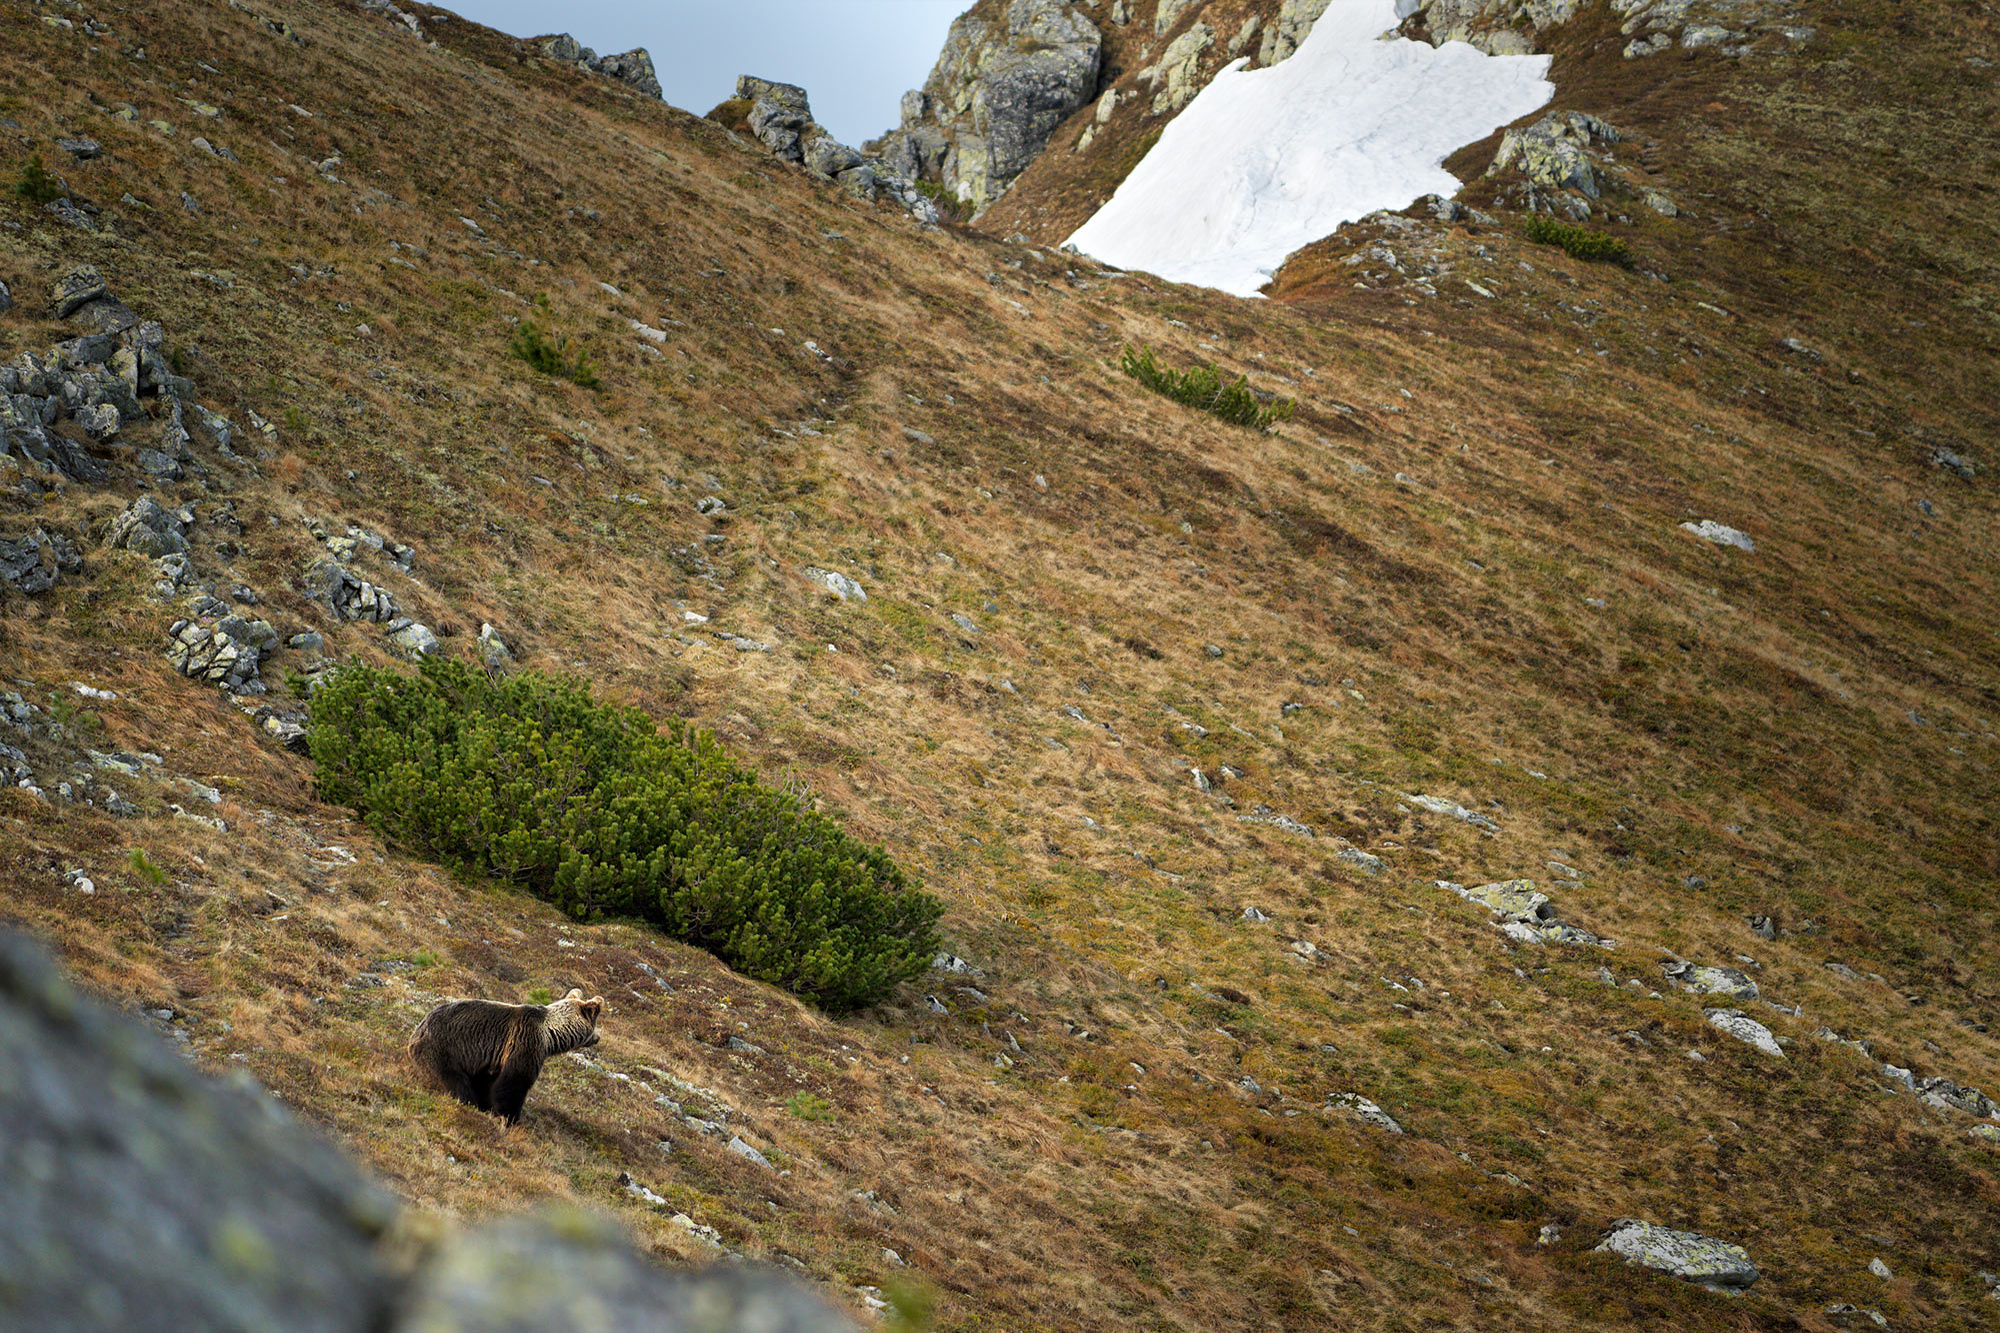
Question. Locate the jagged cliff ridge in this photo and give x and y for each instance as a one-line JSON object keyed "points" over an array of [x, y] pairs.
{"points": [[1009, 75], [1527, 810]]}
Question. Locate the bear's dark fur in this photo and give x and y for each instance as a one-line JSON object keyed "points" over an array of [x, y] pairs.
{"points": [[488, 1054]]}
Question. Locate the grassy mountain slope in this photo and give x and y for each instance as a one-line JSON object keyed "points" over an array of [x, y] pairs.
{"points": [[1461, 558]]}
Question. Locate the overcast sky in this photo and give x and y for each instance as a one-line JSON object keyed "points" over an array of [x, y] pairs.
{"points": [[856, 57]]}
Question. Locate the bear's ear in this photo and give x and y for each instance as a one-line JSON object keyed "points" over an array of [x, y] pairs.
{"points": [[592, 1007], [575, 993]]}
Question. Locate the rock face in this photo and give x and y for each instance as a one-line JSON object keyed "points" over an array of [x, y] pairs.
{"points": [[1715, 1264], [1295, 19], [780, 117], [997, 93], [197, 1203], [634, 68], [149, 529]]}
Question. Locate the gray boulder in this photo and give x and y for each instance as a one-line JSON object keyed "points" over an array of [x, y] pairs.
{"points": [[1715, 1264], [633, 68], [579, 1271], [1731, 982], [493, 650], [149, 529], [1745, 1029], [1365, 1111], [780, 114], [414, 639], [6, 299], [71, 291]]}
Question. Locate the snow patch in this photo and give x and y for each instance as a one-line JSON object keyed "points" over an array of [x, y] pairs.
{"points": [[1265, 162]]}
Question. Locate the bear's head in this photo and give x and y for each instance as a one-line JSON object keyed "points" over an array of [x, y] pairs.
{"points": [[572, 1022]]}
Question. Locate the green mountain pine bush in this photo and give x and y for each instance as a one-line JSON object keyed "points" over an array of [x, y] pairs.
{"points": [[1579, 242], [1205, 390], [591, 807]]}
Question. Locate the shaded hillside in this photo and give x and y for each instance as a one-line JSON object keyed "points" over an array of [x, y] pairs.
{"points": [[1149, 700]]}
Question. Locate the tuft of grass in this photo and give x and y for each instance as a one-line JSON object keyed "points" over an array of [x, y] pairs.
{"points": [[36, 185], [1205, 390], [540, 995], [145, 869], [809, 1106], [1593, 247]]}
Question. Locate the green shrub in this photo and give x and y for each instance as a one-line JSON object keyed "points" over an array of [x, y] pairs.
{"points": [[591, 807], [551, 355], [1205, 390], [36, 185], [1595, 247], [144, 868], [809, 1106]]}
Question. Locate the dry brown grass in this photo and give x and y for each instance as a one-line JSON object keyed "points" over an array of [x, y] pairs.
{"points": [[1742, 720]]}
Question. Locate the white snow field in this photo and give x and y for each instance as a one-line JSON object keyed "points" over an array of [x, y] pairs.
{"points": [[1264, 162]]}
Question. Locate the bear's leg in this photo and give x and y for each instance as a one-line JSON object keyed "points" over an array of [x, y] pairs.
{"points": [[462, 1086], [482, 1088], [510, 1093]]}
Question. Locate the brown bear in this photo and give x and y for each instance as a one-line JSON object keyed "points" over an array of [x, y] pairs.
{"points": [[488, 1054]]}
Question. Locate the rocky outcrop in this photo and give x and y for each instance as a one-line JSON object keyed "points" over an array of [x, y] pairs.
{"points": [[1525, 913], [32, 563], [995, 96], [1177, 78], [1737, 1024], [150, 529], [346, 594], [634, 68], [780, 117], [1715, 1264], [1288, 30], [197, 1203], [226, 653]]}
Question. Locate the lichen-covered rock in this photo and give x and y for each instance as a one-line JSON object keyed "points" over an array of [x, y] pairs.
{"points": [[1721, 535], [76, 287], [1745, 1029], [414, 639], [149, 529], [528, 1275], [633, 68], [347, 595], [1731, 982], [1289, 30], [780, 117], [996, 94], [493, 650], [1178, 75], [1365, 1111], [1553, 152], [226, 654], [1715, 1264], [32, 563]]}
